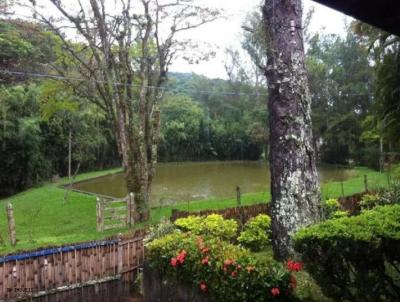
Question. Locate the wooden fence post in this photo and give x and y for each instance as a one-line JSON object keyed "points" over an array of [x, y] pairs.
{"points": [[341, 185], [11, 224], [119, 255], [239, 206], [366, 182], [99, 214], [129, 209]]}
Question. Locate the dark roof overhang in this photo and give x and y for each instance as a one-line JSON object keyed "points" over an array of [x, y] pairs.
{"points": [[384, 14]]}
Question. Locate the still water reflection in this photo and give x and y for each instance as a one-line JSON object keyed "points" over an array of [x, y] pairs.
{"points": [[199, 180]]}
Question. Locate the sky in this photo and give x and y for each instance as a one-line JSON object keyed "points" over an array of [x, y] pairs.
{"points": [[225, 33]]}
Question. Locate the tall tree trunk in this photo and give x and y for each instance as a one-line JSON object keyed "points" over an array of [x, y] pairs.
{"points": [[294, 178]]}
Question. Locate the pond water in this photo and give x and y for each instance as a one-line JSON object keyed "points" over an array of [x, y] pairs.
{"points": [[175, 182]]}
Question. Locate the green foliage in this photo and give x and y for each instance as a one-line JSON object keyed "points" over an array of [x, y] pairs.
{"points": [[355, 258], [368, 201], [389, 195], [228, 272], [182, 127], [255, 233], [24, 45], [161, 229], [330, 207], [210, 122], [384, 48], [212, 225], [340, 99], [35, 122]]}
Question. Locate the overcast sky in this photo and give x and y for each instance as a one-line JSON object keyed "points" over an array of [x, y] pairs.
{"points": [[225, 33]]}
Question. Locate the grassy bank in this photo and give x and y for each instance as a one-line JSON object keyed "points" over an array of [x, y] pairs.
{"points": [[42, 219]]}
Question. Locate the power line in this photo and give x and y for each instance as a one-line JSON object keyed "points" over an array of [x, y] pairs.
{"points": [[164, 89]]}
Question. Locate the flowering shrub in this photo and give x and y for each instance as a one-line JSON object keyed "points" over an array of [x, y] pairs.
{"points": [[212, 225], [224, 271], [355, 258], [255, 233]]}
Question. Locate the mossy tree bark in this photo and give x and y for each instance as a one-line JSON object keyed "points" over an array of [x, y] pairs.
{"points": [[294, 178]]}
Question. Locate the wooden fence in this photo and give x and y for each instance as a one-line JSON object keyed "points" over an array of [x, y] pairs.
{"points": [[239, 213], [348, 203], [59, 269], [115, 213]]}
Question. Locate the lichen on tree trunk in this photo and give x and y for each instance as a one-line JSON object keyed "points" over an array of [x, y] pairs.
{"points": [[294, 178]]}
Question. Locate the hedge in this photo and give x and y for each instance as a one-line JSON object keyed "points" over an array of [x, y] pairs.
{"points": [[355, 258]]}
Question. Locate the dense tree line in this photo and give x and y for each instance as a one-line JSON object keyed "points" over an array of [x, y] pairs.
{"points": [[213, 119], [341, 82]]}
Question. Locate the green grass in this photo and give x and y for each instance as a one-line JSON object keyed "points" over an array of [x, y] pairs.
{"points": [[42, 219]]}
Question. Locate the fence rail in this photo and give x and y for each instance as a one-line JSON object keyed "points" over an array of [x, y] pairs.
{"points": [[69, 267], [115, 213], [243, 213]]}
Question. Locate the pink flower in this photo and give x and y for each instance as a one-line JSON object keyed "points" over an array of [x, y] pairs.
{"points": [[174, 261], [234, 274], [203, 287], [275, 291], [204, 261]]}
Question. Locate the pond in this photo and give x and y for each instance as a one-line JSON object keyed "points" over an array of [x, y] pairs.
{"points": [[175, 182]]}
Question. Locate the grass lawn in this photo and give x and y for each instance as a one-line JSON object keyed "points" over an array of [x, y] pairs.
{"points": [[42, 219]]}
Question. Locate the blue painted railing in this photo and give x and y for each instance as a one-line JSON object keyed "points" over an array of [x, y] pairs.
{"points": [[51, 251]]}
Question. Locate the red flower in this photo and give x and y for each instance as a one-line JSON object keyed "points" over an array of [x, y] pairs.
{"points": [[275, 291], [205, 250], [204, 261], [228, 262], [181, 257], [174, 261], [293, 282], [203, 287], [250, 269], [294, 266], [234, 274]]}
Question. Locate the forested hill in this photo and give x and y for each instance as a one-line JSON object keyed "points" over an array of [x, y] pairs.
{"points": [[212, 119]]}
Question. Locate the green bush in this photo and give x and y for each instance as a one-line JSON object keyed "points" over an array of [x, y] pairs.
{"points": [[224, 271], [355, 258], [255, 233], [164, 227], [368, 201], [339, 214], [391, 195], [212, 225], [330, 207]]}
